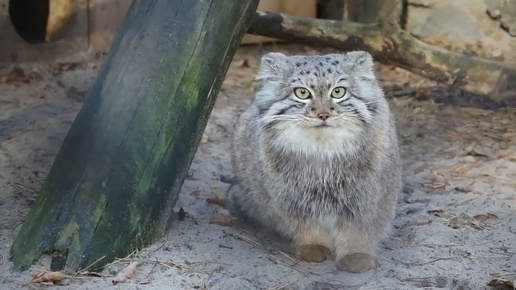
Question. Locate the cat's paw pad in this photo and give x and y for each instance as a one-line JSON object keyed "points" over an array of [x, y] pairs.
{"points": [[313, 253], [356, 263]]}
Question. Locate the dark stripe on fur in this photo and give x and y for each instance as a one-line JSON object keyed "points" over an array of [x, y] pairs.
{"points": [[371, 107], [283, 111], [351, 108]]}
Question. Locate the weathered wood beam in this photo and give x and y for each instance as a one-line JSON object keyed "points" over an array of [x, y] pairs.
{"points": [[116, 178], [391, 45]]}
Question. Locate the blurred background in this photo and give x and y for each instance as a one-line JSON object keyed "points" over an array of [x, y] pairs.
{"points": [[39, 29]]}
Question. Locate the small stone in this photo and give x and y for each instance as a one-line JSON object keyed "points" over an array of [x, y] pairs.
{"points": [[469, 158]]}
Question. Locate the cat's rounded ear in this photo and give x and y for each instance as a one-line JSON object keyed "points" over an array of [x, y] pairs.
{"points": [[361, 59], [272, 65]]}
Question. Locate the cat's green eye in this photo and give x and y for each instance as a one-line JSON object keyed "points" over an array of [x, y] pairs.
{"points": [[338, 92], [302, 93]]}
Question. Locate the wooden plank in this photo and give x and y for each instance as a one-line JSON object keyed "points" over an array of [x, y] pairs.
{"points": [[116, 178]]}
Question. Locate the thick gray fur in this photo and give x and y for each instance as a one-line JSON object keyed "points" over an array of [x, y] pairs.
{"points": [[333, 183]]}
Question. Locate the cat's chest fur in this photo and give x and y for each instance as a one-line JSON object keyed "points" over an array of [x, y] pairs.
{"points": [[315, 142], [315, 169]]}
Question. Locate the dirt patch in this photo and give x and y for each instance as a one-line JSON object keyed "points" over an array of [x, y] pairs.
{"points": [[455, 226]]}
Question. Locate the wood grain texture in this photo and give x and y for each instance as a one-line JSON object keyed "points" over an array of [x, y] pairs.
{"points": [[115, 180], [389, 44]]}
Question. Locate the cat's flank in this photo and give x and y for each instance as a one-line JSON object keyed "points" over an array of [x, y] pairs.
{"points": [[316, 157]]}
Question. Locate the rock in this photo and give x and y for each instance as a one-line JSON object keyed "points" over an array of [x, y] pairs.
{"points": [[466, 26], [493, 9], [449, 20], [505, 12], [509, 24]]}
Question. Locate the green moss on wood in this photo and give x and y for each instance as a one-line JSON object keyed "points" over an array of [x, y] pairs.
{"points": [[116, 178]]}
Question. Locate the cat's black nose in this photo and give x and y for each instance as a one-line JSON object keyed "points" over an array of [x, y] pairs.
{"points": [[323, 116]]}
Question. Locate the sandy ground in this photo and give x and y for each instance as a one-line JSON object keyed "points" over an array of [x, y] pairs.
{"points": [[456, 220]]}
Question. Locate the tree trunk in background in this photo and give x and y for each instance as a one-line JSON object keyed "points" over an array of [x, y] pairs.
{"points": [[117, 176]]}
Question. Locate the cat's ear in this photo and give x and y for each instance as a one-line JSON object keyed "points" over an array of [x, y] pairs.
{"points": [[362, 60], [272, 65]]}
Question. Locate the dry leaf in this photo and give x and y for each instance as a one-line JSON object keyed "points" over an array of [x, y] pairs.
{"points": [[484, 217], [418, 223], [424, 201], [483, 152], [475, 111], [222, 220], [217, 200], [422, 94], [91, 274], [16, 76], [484, 126], [464, 220], [66, 66], [473, 150], [438, 185], [436, 188], [501, 284], [48, 277], [458, 221], [463, 189], [437, 213], [461, 169], [222, 217], [127, 275]]}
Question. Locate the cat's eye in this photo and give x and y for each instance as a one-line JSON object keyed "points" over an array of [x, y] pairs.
{"points": [[302, 93], [338, 92]]}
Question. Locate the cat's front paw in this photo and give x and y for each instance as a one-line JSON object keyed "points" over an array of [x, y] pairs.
{"points": [[313, 253], [356, 263]]}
